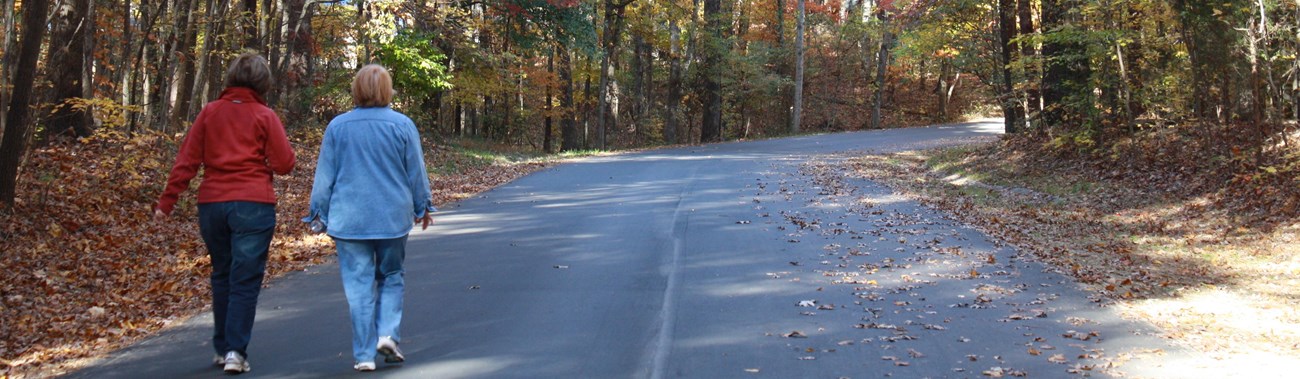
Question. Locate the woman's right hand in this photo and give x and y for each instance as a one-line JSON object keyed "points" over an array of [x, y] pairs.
{"points": [[425, 221], [158, 215]]}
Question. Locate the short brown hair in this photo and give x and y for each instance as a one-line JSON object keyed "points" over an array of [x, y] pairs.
{"points": [[372, 87], [249, 70]]}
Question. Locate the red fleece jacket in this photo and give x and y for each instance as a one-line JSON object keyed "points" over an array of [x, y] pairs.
{"points": [[239, 142]]}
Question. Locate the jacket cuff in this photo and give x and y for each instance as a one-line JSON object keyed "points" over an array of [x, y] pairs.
{"points": [[420, 211], [312, 215]]}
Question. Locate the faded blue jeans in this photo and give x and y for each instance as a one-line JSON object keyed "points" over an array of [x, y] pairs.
{"points": [[237, 234], [373, 282]]}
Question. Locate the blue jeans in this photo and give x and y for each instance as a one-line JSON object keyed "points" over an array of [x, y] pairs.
{"points": [[373, 282], [238, 234]]}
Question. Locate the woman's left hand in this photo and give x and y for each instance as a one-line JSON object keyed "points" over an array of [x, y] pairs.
{"points": [[424, 221]]}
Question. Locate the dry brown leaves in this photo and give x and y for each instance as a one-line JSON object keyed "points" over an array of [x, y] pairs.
{"points": [[87, 270], [1165, 240]]}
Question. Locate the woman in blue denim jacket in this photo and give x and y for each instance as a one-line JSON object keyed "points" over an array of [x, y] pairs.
{"points": [[370, 183]]}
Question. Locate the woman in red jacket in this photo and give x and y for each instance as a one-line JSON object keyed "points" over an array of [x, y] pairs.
{"points": [[239, 142]]}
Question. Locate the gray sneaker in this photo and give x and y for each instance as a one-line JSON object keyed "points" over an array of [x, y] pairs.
{"points": [[218, 360], [236, 364], [388, 349]]}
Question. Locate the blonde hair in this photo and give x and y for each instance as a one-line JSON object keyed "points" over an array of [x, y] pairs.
{"points": [[372, 87], [249, 70]]}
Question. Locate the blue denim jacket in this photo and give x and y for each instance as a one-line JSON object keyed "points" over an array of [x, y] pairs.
{"points": [[370, 177]]}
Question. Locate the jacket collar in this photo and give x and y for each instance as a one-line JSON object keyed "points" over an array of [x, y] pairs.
{"points": [[241, 95]]}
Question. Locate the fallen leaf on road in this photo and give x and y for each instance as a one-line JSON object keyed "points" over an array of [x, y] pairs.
{"points": [[795, 334]]}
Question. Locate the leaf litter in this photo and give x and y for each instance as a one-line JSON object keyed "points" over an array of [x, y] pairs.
{"points": [[1189, 256]]}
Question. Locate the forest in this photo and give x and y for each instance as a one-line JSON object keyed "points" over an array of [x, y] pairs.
{"points": [[1205, 92], [571, 74]]}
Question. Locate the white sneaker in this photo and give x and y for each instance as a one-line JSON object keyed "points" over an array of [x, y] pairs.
{"points": [[218, 360], [236, 364], [364, 366], [388, 348]]}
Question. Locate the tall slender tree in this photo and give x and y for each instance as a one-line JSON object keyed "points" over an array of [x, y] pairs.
{"points": [[882, 62], [14, 143], [672, 134], [7, 60], [569, 136], [711, 128], [797, 109], [1007, 31], [1032, 106]]}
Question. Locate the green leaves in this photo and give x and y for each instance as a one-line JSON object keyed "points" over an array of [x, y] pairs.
{"points": [[416, 65]]}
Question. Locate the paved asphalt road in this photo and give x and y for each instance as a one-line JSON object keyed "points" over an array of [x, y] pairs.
{"points": [[694, 262]]}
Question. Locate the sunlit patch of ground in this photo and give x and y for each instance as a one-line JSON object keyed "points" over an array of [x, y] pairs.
{"points": [[1214, 280]]}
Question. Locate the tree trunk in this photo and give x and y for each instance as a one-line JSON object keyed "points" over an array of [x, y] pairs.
{"points": [[140, 62], [1010, 105], [882, 62], [205, 60], [14, 144], [711, 128], [7, 60], [637, 88], [123, 61], [568, 125], [460, 119], [88, 61], [363, 15], [646, 94], [165, 72], [945, 65], [185, 71], [1032, 103], [797, 109], [265, 23], [779, 23], [1257, 117], [613, 28], [275, 34], [671, 134], [550, 102], [586, 106], [248, 25], [64, 70]]}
